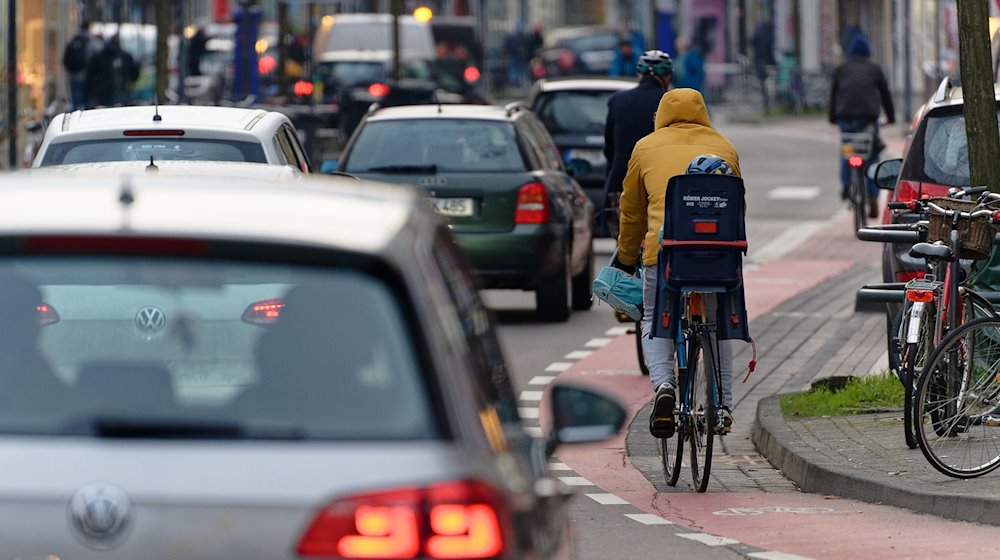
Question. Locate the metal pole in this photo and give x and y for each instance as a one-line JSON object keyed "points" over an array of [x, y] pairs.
{"points": [[397, 64], [937, 41], [907, 77], [12, 83]]}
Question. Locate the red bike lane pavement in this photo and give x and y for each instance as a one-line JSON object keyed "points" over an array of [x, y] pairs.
{"points": [[800, 524]]}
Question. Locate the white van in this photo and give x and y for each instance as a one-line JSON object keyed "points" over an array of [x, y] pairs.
{"points": [[354, 32]]}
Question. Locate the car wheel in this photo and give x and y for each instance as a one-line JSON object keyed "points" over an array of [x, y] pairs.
{"points": [[553, 297], [583, 284]]}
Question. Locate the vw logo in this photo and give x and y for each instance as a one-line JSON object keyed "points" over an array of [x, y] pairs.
{"points": [[150, 320], [100, 514], [432, 181]]}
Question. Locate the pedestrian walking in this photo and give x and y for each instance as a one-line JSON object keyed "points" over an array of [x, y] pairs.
{"points": [[763, 57], [625, 59], [692, 65], [110, 75], [76, 56]]}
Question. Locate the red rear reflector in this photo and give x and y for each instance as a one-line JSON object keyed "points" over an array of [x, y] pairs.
{"points": [[303, 88], [906, 276], [114, 245], [154, 132], [532, 204], [706, 226], [855, 161], [471, 74], [46, 314], [922, 296], [378, 90], [263, 312]]}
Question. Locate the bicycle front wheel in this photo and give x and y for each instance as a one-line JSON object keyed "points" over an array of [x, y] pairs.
{"points": [[671, 455], [701, 419], [957, 401]]}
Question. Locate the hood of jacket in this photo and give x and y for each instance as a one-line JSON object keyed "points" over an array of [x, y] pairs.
{"points": [[682, 105]]}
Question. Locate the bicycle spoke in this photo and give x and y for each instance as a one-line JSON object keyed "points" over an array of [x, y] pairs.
{"points": [[702, 419]]}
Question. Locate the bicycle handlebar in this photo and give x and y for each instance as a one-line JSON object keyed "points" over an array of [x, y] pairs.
{"points": [[899, 235]]}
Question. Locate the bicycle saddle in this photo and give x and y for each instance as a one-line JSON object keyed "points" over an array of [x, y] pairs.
{"points": [[931, 251]]}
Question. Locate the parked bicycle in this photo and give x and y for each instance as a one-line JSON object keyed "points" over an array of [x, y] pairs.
{"points": [[858, 148]]}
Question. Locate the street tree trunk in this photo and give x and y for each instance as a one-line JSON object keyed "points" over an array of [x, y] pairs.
{"points": [[162, 12], [977, 90]]}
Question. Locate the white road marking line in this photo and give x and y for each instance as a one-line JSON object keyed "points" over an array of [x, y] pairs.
{"points": [[534, 432], [559, 467], [541, 380], [528, 413], [774, 555], [648, 519], [531, 395], [578, 354], [793, 193], [575, 481], [559, 366], [607, 499], [597, 342], [617, 331], [710, 540]]}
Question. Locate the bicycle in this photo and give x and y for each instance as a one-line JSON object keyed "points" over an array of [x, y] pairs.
{"points": [[858, 148]]}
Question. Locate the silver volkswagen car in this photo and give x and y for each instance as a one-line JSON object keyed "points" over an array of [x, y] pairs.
{"points": [[213, 368]]}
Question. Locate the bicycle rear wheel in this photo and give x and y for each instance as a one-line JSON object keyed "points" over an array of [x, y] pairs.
{"points": [[957, 403], [859, 199], [701, 420]]}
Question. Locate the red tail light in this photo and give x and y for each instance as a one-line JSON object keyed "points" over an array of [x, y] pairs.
{"points": [[456, 520], [922, 296], [263, 312], [378, 90], [566, 60], [532, 204], [907, 275], [46, 314], [471, 74], [855, 161]]}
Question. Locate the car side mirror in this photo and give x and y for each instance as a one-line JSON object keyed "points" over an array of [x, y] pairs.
{"points": [[329, 165], [886, 173], [581, 415], [578, 167]]}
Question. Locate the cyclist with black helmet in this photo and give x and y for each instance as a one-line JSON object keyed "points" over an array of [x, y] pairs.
{"points": [[683, 141], [630, 117]]}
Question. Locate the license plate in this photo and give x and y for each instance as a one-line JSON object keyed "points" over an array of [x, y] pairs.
{"points": [[593, 157], [461, 207]]}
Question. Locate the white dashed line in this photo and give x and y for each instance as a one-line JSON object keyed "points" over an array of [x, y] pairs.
{"points": [[772, 555], [617, 331], [607, 499], [575, 481], [534, 396], [559, 366], [541, 380], [559, 467], [706, 539], [528, 413], [578, 354], [648, 519], [534, 432], [597, 342], [793, 193]]}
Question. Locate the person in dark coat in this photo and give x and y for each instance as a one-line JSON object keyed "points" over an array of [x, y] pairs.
{"points": [[630, 117], [110, 75], [858, 93]]}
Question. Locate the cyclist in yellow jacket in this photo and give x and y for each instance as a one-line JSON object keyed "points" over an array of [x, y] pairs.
{"points": [[682, 131]]}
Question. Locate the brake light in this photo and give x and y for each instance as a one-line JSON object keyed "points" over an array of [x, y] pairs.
{"points": [[46, 314], [444, 521], [263, 312], [532, 204], [267, 64], [907, 275], [922, 296], [471, 74], [303, 88], [566, 60], [378, 90], [154, 132], [855, 161]]}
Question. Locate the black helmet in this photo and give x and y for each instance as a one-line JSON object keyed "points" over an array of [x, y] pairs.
{"points": [[655, 63]]}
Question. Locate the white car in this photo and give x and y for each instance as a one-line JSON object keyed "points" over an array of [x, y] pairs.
{"points": [[172, 132]]}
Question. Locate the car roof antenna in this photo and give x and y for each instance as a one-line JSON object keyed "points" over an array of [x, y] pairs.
{"points": [[152, 166], [156, 114], [438, 101]]}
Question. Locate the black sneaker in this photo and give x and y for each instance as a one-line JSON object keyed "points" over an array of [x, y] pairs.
{"points": [[724, 421], [661, 418]]}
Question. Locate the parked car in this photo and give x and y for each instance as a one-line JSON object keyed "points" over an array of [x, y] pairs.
{"points": [[257, 368], [498, 177], [172, 132], [586, 49], [574, 111]]}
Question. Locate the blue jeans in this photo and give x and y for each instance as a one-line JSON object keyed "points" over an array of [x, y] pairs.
{"points": [[78, 94], [845, 168], [659, 352]]}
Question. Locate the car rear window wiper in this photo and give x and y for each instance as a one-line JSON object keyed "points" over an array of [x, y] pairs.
{"points": [[415, 169], [181, 428]]}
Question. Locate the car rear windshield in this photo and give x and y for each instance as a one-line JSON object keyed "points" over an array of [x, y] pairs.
{"points": [[944, 159], [219, 349], [575, 112], [141, 149], [449, 145]]}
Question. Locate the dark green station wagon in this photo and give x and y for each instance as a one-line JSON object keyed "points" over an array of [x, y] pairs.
{"points": [[497, 176]]}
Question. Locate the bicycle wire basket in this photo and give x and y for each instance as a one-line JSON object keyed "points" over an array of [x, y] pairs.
{"points": [[975, 236]]}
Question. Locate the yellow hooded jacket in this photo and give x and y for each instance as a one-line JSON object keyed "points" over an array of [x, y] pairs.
{"points": [[682, 131]]}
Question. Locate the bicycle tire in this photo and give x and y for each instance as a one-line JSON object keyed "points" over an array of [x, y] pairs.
{"points": [[858, 196], [701, 418], [957, 403], [671, 456], [643, 368]]}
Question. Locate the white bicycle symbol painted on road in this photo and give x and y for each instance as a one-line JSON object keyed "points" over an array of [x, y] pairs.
{"points": [[776, 509]]}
